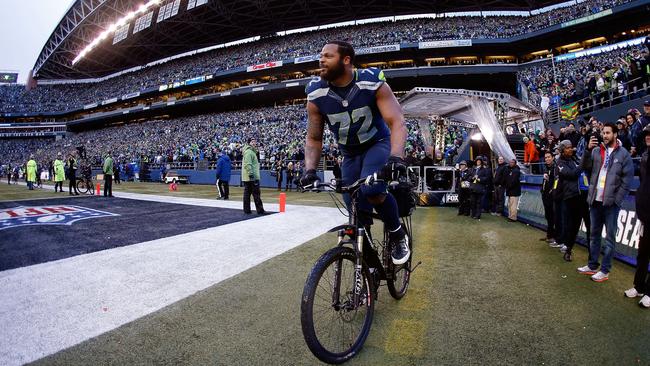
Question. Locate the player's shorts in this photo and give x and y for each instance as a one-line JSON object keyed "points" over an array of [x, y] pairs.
{"points": [[362, 164]]}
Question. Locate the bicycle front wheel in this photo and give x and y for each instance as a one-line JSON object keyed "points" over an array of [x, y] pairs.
{"points": [[334, 324], [82, 186], [398, 284]]}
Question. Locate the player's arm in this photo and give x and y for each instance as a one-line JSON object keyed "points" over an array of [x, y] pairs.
{"points": [[314, 143], [391, 111]]}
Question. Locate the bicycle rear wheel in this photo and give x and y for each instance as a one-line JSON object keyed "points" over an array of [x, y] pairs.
{"points": [[334, 327], [400, 274]]}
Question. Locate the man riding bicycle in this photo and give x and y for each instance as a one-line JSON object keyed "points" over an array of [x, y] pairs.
{"points": [[367, 122]]}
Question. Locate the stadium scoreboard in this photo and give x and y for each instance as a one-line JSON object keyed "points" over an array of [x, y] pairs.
{"points": [[8, 77]]}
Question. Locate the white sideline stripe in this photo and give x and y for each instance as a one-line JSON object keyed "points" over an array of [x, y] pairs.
{"points": [[48, 307]]}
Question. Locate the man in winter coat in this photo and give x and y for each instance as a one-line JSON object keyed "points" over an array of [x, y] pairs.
{"points": [[59, 173], [499, 185], [611, 170], [250, 176], [481, 178], [224, 166], [513, 188], [31, 173], [108, 176], [642, 276]]}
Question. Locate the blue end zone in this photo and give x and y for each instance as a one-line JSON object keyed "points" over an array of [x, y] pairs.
{"points": [[39, 231]]}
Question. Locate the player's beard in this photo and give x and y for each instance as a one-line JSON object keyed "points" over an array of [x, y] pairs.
{"points": [[333, 73]]}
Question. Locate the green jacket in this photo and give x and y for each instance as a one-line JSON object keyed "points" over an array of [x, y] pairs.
{"points": [[250, 165], [59, 171], [31, 171], [108, 165]]}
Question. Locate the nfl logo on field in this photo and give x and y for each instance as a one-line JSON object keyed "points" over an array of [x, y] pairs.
{"points": [[47, 215]]}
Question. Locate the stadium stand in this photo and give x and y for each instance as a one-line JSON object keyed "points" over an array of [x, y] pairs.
{"points": [[49, 98]]}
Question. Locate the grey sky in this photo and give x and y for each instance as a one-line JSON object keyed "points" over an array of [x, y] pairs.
{"points": [[25, 26]]}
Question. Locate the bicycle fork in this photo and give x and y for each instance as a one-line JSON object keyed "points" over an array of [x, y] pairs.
{"points": [[358, 275]]}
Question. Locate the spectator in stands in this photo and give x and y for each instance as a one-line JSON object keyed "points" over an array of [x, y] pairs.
{"points": [[223, 171], [642, 276], [610, 168], [513, 188], [623, 135], [251, 178], [108, 175], [547, 197], [480, 180], [499, 186], [531, 155], [636, 132], [59, 173], [31, 173]]}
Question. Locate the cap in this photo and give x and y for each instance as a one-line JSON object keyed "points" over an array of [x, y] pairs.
{"points": [[646, 103], [479, 158], [463, 163]]}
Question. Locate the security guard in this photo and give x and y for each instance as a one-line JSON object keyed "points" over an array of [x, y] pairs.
{"points": [[31, 172], [59, 173]]}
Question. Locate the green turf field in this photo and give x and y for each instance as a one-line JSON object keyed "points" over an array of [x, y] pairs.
{"points": [[487, 293]]}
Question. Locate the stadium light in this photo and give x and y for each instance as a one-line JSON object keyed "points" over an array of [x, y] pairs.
{"points": [[112, 28]]}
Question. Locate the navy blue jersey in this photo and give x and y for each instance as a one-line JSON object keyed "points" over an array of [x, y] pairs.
{"points": [[351, 113]]}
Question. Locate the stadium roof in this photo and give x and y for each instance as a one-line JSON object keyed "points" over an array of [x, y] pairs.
{"points": [[185, 25]]}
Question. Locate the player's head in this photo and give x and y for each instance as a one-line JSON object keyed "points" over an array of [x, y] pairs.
{"points": [[335, 58]]}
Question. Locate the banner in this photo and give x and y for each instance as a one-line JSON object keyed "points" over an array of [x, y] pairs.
{"points": [[531, 210], [89, 106], [587, 18], [377, 49], [303, 59], [109, 101], [569, 112], [445, 44], [268, 65], [195, 80], [130, 95]]}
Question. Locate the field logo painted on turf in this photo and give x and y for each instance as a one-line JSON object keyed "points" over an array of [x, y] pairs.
{"points": [[47, 215]]}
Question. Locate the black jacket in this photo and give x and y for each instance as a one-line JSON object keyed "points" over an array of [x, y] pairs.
{"points": [[479, 185], [547, 185], [568, 171], [643, 192], [499, 174], [464, 176], [512, 183]]}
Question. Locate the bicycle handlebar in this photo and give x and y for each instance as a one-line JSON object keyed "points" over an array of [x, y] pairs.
{"points": [[318, 186]]}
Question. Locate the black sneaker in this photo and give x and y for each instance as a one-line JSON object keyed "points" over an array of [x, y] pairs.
{"points": [[401, 251]]}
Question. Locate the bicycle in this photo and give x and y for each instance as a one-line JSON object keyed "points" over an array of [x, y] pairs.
{"points": [[85, 185], [342, 287]]}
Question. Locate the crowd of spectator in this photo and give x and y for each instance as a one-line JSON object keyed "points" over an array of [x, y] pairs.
{"points": [[49, 98], [598, 78], [279, 131]]}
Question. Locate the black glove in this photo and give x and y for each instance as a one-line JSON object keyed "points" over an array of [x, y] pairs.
{"points": [[308, 178], [394, 169], [251, 177]]}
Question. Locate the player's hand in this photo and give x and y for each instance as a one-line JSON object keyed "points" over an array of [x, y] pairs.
{"points": [[593, 142], [308, 179], [394, 168]]}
